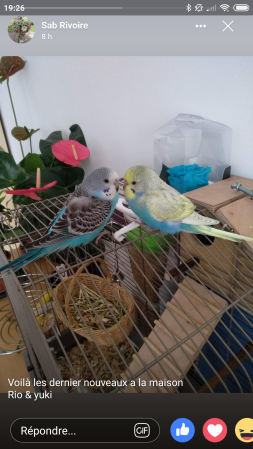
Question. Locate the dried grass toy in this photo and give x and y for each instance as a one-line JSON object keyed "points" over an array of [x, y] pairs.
{"points": [[103, 293], [100, 305]]}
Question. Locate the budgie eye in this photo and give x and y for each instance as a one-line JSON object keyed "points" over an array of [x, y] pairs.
{"points": [[106, 181], [134, 182]]}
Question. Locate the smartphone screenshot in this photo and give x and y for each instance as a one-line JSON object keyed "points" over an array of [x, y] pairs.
{"points": [[126, 223]]}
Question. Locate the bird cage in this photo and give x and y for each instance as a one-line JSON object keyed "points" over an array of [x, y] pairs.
{"points": [[87, 314]]}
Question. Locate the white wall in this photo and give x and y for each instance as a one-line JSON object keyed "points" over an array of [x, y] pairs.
{"points": [[120, 101]]}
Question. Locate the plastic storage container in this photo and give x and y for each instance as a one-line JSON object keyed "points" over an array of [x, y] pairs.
{"points": [[190, 139]]}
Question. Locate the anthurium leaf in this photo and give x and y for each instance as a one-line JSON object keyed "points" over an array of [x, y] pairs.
{"points": [[1, 149], [77, 134], [31, 162], [66, 177], [46, 147], [46, 178], [72, 176], [32, 131], [51, 139], [9, 65], [4, 183], [13, 234], [47, 156], [53, 192], [10, 173], [58, 163], [20, 133], [22, 163], [8, 166], [19, 200]]}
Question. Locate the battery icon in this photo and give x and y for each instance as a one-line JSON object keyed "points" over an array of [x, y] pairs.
{"points": [[241, 8]]}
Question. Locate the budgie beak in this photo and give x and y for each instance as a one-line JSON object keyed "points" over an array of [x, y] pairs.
{"points": [[125, 184], [116, 184]]}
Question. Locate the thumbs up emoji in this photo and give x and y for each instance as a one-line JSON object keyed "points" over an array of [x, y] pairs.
{"points": [[183, 431]]}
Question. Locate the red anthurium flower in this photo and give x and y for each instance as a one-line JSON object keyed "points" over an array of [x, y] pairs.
{"points": [[70, 151], [31, 192]]}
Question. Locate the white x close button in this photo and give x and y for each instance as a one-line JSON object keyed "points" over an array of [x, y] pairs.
{"points": [[227, 27]]}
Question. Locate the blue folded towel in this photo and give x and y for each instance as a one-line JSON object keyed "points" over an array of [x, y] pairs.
{"points": [[185, 178]]}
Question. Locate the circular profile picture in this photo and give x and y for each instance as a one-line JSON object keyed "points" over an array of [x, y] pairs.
{"points": [[21, 30]]}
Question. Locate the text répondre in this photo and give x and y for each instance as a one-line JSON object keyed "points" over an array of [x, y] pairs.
{"points": [[65, 25]]}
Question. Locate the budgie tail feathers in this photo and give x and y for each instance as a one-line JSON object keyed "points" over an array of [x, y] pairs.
{"points": [[16, 264], [213, 232]]}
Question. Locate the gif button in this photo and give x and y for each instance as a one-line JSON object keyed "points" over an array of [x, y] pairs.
{"points": [[141, 430]]}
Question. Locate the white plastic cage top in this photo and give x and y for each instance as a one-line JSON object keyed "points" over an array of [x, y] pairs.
{"points": [[190, 139]]}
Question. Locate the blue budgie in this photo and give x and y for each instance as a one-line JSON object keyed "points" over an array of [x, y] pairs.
{"points": [[82, 219], [161, 207]]}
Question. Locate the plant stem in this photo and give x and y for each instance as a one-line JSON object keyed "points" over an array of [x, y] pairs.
{"points": [[31, 144], [12, 103], [14, 115]]}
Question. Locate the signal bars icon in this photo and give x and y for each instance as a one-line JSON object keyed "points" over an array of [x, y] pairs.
{"points": [[213, 8]]}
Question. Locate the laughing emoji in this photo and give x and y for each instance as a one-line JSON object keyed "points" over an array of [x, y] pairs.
{"points": [[244, 430]]}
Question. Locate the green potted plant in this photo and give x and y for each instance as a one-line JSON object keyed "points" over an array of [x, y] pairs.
{"points": [[52, 172]]}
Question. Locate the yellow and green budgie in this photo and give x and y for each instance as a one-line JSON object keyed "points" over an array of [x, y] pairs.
{"points": [[161, 207]]}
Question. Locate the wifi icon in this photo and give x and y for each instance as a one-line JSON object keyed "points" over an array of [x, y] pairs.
{"points": [[225, 7]]}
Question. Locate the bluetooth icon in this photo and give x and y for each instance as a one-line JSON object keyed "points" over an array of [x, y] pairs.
{"points": [[188, 7]]}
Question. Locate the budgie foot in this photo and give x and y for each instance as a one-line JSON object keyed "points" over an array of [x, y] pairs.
{"points": [[101, 235]]}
